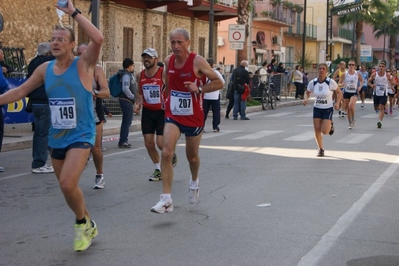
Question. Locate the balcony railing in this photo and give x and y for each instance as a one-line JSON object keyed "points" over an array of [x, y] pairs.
{"points": [[343, 33], [265, 9], [311, 30]]}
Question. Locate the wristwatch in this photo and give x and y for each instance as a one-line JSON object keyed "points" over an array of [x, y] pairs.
{"points": [[77, 11], [199, 90], [95, 92]]}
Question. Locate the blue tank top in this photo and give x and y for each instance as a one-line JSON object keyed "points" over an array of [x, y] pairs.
{"points": [[71, 105]]}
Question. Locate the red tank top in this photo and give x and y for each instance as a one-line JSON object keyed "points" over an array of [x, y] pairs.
{"points": [[152, 90], [181, 105]]}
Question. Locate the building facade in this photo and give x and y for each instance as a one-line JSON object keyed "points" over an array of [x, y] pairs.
{"points": [[128, 26]]}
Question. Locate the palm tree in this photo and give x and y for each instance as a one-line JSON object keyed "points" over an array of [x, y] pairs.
{"points": [[366, 15], [388, 25], [243, 10]]}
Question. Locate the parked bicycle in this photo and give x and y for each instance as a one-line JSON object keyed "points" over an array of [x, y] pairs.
{"points": [[269, 96]]}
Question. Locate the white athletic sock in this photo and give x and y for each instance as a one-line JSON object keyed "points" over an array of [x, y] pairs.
{"points": [[193, 184], [157, 166], [166, 196]]}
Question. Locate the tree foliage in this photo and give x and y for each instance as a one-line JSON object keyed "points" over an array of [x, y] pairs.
{"points": [[244, 7], [366, 15], [386, 24]]}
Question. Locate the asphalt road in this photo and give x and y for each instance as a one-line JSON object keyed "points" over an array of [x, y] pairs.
{"points": [[338, 210]]}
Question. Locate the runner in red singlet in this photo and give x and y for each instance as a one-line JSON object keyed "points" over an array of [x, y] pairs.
{"points": [[183, 112]]}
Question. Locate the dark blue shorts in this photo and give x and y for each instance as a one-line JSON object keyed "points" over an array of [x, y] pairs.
{"points": [[380, 100], [323, 113], [188, 131], [348, 95], [60, 154], [364, 88]]}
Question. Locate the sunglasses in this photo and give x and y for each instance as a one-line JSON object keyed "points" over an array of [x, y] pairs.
{"points": [[351, 64]]}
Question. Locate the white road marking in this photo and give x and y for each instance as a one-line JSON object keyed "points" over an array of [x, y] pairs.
{"points": [[329, 239], [305, 115], [259, 135], [305, 136], [354, 138], [394, 142], [372, 115], [211, 134], [280, 114]]}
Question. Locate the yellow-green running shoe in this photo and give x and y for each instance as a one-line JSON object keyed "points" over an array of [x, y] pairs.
{"points": [[94, 231], [83, 236]]}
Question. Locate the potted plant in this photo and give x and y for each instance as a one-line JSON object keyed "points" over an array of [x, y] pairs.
{"points": [[297, 8], [276, 2], [265, 13]]}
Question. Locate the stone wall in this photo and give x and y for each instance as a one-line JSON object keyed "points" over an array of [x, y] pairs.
{"points": [[31, 23]]}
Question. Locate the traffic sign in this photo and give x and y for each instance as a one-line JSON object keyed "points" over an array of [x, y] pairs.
{"points": [[366, 53], [236, 33]]}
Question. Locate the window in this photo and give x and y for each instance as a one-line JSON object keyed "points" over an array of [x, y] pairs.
{"points": [[128, 43], [201, 46]]}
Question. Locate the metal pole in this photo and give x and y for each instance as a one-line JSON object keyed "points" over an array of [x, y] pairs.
{"points": [[211, 19], [95, 13], [383, 51], [327, 32], [353, 38], [331, 32], [304, 34]]}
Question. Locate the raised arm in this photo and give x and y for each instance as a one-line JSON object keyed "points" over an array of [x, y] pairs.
{"points": [[92, 53]]}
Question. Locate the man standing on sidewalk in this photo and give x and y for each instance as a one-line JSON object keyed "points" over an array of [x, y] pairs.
{"points": [[126, 101], [183, 113], [41, 114], [212, 100], [68, 86], [241, 77]]}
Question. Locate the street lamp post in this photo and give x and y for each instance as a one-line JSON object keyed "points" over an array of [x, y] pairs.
{"points": [[385, 36], [304, 34], [211, 19]]}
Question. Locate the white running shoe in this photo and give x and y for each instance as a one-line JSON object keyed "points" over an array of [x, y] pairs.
{"points": [[193, 195], [163, 205], [99, 182], [45, 169]]}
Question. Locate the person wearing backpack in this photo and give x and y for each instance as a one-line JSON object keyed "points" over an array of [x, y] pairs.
{"points": [[126, 101]]}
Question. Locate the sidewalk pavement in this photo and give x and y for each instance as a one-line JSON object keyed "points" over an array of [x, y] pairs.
{"points": [[19, 136]]}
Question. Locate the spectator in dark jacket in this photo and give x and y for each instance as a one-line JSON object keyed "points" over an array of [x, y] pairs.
{"points": [[271, 68], [241, 77], [41, 114], [280, 68], [126, 101], [5, 68]]}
